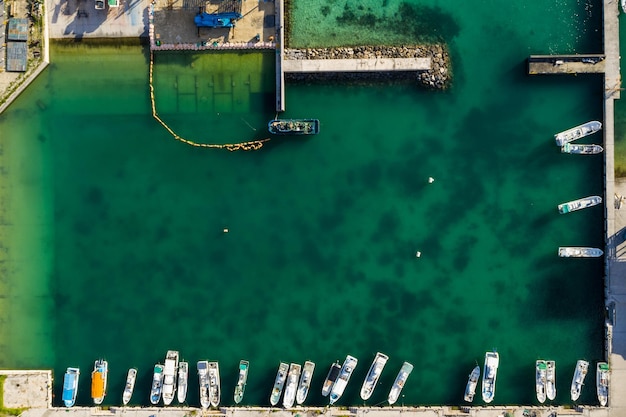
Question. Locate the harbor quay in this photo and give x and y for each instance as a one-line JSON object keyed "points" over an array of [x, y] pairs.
{"points": [[502, 411]]}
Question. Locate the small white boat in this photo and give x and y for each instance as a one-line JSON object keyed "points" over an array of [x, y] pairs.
{"points": [[602, 382], [241, 380], [342, 380], [279, 383], [582, 149], [70, 386], [472, 382], [579, 378], [541, 372], [157, 384], [490, 372], [203, 383], [579, 204], [183, 376], [331, 377], [579, 252], [551, 380], [373, 375], [577, 132], [305, 381], [398, 384], [292, 385], [214, 384], [170, 373], [99, 378], [623, 2], [131, 377]]}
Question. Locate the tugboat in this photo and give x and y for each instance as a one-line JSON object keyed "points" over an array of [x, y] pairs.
{"points": [[294, 126], [376, 368], [398, 384], [70, 386], [305, 381], [241, 381]]}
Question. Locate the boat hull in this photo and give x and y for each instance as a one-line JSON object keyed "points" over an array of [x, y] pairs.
{"points": [[170, 373], [241, 381], [157, 384], [398, 384], [131, 377], [342, 380], [183, 376], [214, 384], [577, 132], [203, 383], [70, 386], [99, 381], [490, 372], [292, 385], [551, 380], [578, 379], [472, 382], [541, 372], [581, 203], [279, 382], [602, 383], [331, 377], [582, 149], [579, 252], [373, 375], [294, 126], [305, 381]]}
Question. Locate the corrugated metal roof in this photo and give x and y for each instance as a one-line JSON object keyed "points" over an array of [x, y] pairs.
{"points": [[18, 29], [17, 56]]}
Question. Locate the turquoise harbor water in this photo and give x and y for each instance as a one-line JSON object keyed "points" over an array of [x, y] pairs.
{"points": [[123, 254]]}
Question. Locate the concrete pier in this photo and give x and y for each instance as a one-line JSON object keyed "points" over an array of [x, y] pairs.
{"points": [[566, 64], [357, 65]]}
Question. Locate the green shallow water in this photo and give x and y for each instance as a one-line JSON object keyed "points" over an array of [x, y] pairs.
{"points": [[319, 262]]}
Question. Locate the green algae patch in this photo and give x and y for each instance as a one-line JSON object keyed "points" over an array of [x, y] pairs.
{"points": [[7, 411]]}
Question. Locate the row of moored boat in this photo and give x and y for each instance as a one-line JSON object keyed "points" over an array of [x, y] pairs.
{"points": [[564, 140], [545, 380], [170, 379]]}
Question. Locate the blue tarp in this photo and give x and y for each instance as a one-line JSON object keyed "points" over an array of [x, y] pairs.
{"points": [[217, 20]]}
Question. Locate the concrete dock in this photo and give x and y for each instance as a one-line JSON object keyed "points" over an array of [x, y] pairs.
{"points": [[357, 65], [566, 64]]}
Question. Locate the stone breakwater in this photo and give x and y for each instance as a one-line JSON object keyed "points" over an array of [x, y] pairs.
{"points": [[438, 77]]}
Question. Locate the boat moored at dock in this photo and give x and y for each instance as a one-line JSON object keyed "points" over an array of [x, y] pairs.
{"points": [[170, 372], [214, 384], [294, 126], [551, 380], [331, 377], [541, 371], [579, 378], [342, 380], [579, 252], [291, 387], [183, 375], [99, 381], [203, 383], [305, 381], [70, 386], [472, 382], [579, 204], [376, 368], [577, 132], [279, 382], [157, 384], [490, 372], [602, 383], [217, 20], [398, 384], [582, 149], [131, 377], [241, 381]]}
